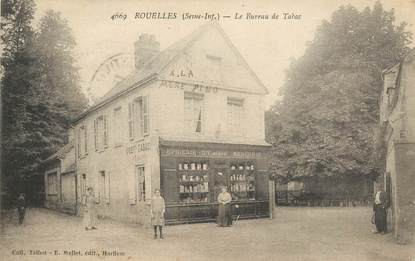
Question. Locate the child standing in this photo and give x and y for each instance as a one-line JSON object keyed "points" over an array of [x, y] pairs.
{"points": [[157, 213]]}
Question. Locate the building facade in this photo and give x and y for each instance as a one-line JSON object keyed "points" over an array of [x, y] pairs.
{"points": [[397, 118], [188, 120], [60, 180]]}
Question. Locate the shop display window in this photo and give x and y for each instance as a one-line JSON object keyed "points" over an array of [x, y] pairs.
{"points": [[193, 181], [242, 181]]}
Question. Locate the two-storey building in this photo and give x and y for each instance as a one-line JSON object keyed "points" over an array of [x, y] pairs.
{"points": [[188, 120], [397, 118]]}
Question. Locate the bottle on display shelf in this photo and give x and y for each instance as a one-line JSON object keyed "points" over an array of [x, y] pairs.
{"points": [[180, 166]]}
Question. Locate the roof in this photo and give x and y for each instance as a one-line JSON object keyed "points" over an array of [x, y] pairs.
{"points": [[60, 154], [185, 142], [152, 68], [69, 169]]}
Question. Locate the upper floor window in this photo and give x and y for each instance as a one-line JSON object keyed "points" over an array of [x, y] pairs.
{"points": [[82, 141], [138, 118], [235, 116], [193, 112], [117, 126], [101, 133]]}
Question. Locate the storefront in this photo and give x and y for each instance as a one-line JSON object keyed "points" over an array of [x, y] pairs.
{"points": [[193, 173]]}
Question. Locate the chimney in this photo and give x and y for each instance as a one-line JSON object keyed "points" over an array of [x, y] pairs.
{"points": [[144, 49]]}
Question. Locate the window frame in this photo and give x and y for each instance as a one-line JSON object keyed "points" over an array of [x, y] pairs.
{"points": [[82, 141], [101, 139], [52, 179], [194, 97], [140, 183], [231, 105], [117, 126], [139, 118]]}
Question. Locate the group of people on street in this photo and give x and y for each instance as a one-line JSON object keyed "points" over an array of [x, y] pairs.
{"points": [[224, 219], [158, 210]]}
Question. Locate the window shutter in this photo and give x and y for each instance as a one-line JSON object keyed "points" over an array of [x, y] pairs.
{"points": [[79, 143], [105, 132], [145, 118], [132, 194], [86, 139], [107, 187], [95, 135], [130, 121], [97, 192]]}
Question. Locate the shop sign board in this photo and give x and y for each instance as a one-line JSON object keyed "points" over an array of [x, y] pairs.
{"points": [[138, 147], [211, 153]]}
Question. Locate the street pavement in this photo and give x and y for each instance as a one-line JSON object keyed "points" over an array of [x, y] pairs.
{"points": [[312, 234]]}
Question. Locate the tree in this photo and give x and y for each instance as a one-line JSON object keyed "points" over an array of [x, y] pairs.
{"points": [[325, 124], [40, 91], [18, 70], [60, 79]]}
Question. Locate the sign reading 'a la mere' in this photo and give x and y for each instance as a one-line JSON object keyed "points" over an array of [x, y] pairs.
{"points": [[211, 153]]}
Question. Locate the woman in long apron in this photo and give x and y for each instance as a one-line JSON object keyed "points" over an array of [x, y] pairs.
{"points": [[380, 213], [224, 208]]}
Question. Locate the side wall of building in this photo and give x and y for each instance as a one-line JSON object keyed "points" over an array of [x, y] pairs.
{"points": [[119, 162], [401, 154]]}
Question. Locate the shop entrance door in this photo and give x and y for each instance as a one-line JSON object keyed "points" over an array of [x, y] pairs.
{"points": [[220, 179]]}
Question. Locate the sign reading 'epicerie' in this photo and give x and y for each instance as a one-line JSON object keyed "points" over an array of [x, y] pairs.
{"points": [[211, 153]]}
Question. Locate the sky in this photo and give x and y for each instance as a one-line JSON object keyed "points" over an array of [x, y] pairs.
{"points": [[268, 46]]}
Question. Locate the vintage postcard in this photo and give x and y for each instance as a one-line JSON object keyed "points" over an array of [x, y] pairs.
{"points": [[208, 130]]}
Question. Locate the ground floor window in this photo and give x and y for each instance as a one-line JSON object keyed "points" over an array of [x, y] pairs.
{"points": [[52, 183], [83, 184], [140, 183], [193, 181], [242, 180], [104, 187]]}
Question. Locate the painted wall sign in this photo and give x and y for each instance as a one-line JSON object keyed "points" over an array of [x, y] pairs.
{"points": [[137, 147], [211, 153], [188, 87], [186, 73]]}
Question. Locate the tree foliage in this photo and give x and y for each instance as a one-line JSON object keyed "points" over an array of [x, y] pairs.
{"points": [[325, 123], [40, 90]]}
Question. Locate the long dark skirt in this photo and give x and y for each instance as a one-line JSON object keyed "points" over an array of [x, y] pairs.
{"points": [[380, 217], [22, 211], [224, 215]]}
